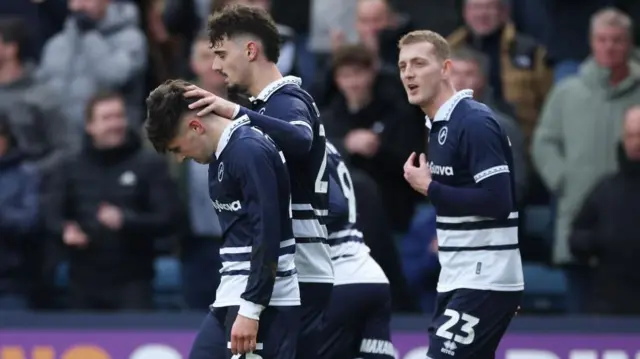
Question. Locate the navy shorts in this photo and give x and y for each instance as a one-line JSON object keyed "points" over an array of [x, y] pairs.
{"points": [[315, 298], [357, 323], [277, 334], [470, 323]]}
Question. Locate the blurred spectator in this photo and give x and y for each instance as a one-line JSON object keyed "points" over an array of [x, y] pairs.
{"points": [[575, 143], [607, 228], [45, 19], [470, 70], [107, 204], [374, 129], [331, 21], [566, 43], [100, 48], [379, 28], [518, 72], [37, 124], [19, 209], [440, 16]]}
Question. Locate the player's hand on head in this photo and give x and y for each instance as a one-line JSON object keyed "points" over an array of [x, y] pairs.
{"points": [[244, 333], [209, 103], [419, 177]]}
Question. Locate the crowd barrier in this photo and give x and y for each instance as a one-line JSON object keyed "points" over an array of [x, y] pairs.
{"points": [[169, 336]]}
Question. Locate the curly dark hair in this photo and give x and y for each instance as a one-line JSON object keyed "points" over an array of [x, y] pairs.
{"points": [[166, 106], [233, 20]]}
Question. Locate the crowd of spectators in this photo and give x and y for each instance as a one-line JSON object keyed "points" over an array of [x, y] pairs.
{"points": [[88, 211]]}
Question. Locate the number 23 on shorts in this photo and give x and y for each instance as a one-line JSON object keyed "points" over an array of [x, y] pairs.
{"points": [[467, 332]]}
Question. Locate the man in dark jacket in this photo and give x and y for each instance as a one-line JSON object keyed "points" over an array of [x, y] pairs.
{"points": [[371, 125], [18, 218], [108, 204], [605, 230]]}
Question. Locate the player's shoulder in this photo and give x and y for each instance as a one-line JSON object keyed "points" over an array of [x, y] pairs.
{"points": [[475, 116], [250, 141]]}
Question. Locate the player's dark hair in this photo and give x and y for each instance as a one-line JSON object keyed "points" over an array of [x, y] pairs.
{"points": [[353, 55], [166, 105], [234, 20], [13, 30], [100, 96]]}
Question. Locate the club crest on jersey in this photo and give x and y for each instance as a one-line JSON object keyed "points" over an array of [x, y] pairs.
{"points": [[442, 135], [220, 171], [261, 111]]}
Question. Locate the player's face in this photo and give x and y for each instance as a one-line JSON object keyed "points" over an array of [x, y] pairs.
{"points": [[610, 45], [231, 59], [191, 142], [466, 75], [631, 138], [421, 72], [108, 125], [201, 59]]}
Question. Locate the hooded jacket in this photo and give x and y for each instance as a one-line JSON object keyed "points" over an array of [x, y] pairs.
{"points": [[112, 56], [575, 143]]}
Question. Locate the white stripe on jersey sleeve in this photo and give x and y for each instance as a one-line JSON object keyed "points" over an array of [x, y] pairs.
{"points": [[491, 172], [443, 219], [302, 123]]}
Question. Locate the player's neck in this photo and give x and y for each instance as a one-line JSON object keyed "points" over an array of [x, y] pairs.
{"points": [[444, 94], [216, 129], [262, 77]]}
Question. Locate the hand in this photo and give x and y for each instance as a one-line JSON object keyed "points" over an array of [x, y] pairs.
{"points": [[433, 246], [110, 216], [244, 335], [338, 39], [74, 236], [362, 142], [210, 102], [418, 177]]}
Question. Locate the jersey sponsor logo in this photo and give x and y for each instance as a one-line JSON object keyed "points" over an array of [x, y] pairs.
{"points": [[220, 171], [231, 207], [439, 170], [449, 348], [377, 346], [442, 135]]}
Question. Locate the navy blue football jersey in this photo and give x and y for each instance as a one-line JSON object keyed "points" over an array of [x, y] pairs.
{"points": [[289, 115], [467, 147], [250, 191]]}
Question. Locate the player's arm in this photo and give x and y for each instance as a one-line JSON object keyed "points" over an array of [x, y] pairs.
{"points": [[290, 127], [254, 170], [482, 147]]}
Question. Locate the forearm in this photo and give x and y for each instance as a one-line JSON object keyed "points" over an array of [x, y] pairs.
{"points": [[491, 199], [293, 137], [262, 276]]}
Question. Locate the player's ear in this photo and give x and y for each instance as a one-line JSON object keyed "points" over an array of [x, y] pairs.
{"points": [[447, 65], [252, 50], [196, 125]]}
